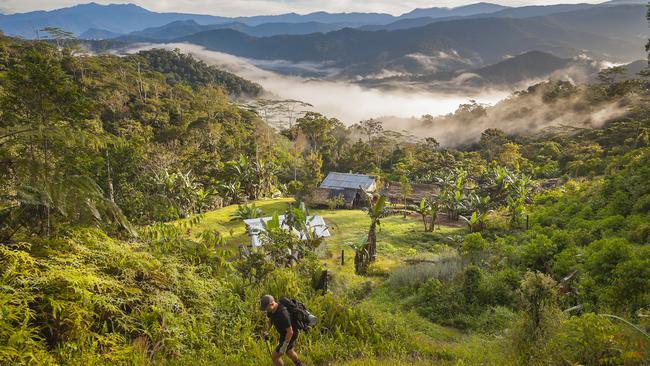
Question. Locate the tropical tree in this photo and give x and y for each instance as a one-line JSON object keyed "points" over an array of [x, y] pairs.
{"points": [[180, 191], [42, 109], [264, 178], [376, 211], [428, 209], [406, 190], [71, 201], [247, 211], [481, 207], [520, 192], [452, 194]]}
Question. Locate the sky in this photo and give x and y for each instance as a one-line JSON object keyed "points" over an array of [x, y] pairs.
{"points": [[263, 7]]}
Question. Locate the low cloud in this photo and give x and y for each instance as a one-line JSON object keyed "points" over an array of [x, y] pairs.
{"points": [[348, 102], [402, 109], [524, 115]]}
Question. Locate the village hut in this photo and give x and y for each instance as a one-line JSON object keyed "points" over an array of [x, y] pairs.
{"points": [[393, 192], [256, 226], [351, 187]]}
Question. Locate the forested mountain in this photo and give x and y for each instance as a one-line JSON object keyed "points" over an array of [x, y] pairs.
{"points": [[127, 18], [184, 28], [98, 34], [460, 11], [528, 66], [179, 68], [115, 18], [517, 12], [476, 42], [623, 22], [530, 247], [95, 21]]}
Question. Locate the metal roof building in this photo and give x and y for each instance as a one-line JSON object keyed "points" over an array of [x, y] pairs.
{"points": [[335, 180], [256, 226], [347, 185]]}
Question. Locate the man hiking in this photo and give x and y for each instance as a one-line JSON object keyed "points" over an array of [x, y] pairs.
{"points": [[280, 318]]}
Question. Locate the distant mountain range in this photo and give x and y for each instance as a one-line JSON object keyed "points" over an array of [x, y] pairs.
{"points": [[478, 44], [114, 18], [95, 21], [617, 34], [183, 28], [461, 11], [513, 73]]}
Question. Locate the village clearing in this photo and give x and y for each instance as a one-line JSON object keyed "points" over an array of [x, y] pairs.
{"points": [[400, 241]]}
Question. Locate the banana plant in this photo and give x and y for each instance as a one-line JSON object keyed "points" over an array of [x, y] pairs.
{"points": [[520, 193], [361, 255], [481, 206], [428, 209], [376, 211]]}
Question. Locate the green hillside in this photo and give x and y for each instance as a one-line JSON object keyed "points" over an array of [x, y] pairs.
{"points": [[123, 188]]}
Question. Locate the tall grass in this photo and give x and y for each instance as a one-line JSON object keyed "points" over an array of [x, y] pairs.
{"points": [[443, 266]]}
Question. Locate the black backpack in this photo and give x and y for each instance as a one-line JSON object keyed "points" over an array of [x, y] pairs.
{"points": [[300, 316]]}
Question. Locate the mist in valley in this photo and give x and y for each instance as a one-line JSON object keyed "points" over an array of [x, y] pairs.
{"points": [[451, 118], [348, 102]]}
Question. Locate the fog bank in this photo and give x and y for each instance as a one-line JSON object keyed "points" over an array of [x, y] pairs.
{"points": [[402, 109], [348, 102]]}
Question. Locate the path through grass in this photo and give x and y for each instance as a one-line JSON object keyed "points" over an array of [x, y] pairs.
{"points": [[399, 238]]}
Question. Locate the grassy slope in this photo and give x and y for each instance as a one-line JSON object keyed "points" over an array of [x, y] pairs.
{"points": [[398, 238]]}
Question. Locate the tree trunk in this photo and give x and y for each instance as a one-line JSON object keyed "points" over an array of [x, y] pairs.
{"points": [[372, 241], [361, 260], [109, 176], [46, 180]]}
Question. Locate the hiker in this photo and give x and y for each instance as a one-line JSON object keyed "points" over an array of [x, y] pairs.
{"points": [[280, 318]]}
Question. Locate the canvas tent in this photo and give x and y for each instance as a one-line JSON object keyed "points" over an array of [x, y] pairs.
{"points": [[256, 226]]}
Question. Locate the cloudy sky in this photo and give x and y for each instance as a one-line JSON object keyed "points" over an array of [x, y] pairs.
{"points": [[259, 7]]}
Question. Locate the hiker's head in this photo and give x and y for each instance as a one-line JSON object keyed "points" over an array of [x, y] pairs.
{"points": [[267, 303]]}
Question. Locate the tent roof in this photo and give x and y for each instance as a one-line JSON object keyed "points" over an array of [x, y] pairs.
{"points": [[346, 180], [256, 226]]}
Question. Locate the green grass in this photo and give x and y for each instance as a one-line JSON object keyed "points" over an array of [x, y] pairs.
{"points": [[234, 230], [399, 238]]}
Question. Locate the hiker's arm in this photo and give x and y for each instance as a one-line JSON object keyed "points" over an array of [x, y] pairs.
{"points": [[289, 335], [287, 339], [265, 331]]}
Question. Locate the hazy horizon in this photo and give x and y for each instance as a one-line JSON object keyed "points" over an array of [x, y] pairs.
{"points": [[237, 8]]}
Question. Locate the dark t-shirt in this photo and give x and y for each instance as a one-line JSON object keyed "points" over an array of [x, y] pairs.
{"points": [[281, 321]]}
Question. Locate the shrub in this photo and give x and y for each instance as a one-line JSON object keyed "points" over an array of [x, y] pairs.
{"points": [[538, 253], [247, 211], [538, 299], [471, 283], [593, 340], [473, 246], [494, 319], [498, 288]]}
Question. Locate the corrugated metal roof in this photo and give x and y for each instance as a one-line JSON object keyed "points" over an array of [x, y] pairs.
{"points": [[256, 226], [346, 180]]}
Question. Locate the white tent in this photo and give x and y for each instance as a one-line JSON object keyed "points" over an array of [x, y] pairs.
{"points": [[256, 226]]}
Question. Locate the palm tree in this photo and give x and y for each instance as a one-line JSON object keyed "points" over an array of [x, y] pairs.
{"points": [[73, 200]]}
